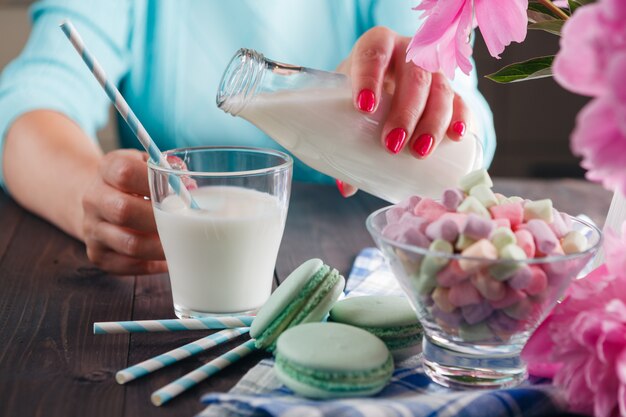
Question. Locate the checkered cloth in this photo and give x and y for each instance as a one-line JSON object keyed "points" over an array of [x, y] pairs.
{"points": [[410, 392]]}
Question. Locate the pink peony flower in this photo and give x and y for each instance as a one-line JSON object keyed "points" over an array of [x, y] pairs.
{"points": [[600, 133], [590, 39], [582, 344], [442, 42]]}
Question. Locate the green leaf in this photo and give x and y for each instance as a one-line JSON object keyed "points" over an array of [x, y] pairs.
{"points": [[573, 5], [552, 26], [540, 8], [521, 71]]}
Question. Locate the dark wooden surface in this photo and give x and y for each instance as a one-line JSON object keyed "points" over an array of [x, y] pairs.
{"points": [[51, 364]]}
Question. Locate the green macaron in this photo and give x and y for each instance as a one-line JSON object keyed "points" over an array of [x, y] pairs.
{"points": [[306, 295], [332, 360], [390, 318]]}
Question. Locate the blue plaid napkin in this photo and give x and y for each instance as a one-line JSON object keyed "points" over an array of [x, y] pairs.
{"points": [[410, 392]]}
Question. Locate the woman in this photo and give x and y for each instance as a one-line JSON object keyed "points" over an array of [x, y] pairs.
{"points": [[167, 58]]}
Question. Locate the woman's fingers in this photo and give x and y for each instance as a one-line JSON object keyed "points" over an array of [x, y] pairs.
{"points": [[408, 103], [370, 59], [461, 117], [126, 210], [146, 246], [435, 120], [116, 263], [125, 170]]}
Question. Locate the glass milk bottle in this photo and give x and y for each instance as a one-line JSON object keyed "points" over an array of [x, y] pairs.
{"points": [[310, 113]]}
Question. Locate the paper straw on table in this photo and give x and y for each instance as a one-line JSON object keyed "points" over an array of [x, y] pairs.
{"points": [[125, 111], [145, 326], [144, 368], [192, 379]]}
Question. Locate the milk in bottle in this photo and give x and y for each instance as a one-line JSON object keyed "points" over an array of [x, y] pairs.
{"points": [[310, 113]]}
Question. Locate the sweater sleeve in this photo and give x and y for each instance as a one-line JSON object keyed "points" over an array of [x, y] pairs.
{"points": [[49, 74]]}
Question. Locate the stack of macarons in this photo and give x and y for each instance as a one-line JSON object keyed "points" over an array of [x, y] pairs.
{"points": [[329, 360]]}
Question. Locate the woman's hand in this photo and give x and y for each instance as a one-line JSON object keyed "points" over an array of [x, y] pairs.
{"points": [[119, 227], [424, 109]]}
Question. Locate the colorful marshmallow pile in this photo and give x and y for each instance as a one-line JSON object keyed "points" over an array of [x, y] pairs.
{"points": [[499, 286]]}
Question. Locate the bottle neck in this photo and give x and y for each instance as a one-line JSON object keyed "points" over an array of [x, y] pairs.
{"points": [[248, 74]]}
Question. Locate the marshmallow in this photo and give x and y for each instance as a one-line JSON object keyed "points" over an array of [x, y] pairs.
{"points": [[504, 270], [538, 282], [524, 310], [431, 264], [522, 278], [458, 218], [488, 287], [406, 233], [475, 178], [409, 203], [503, 325], [451, 198], [503, 222], [451, 275], [440, 297], [464, 294], [472, 205], [558, 225], [477, 227], [475, 313], [526, 241], [423, 283], [501, 198], [515, 199], [429, 209], [394, 214], [511, 297], [453, 319], [463, 242], [501, 237], [545, 240], [539, 209], [484, 194], [481, 249], [409, 219], [574, 242], [512, 211], [475, 333], [443, 228]]}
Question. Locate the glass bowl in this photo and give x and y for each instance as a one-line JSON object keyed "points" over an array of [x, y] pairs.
{"points": [[475, 326]]}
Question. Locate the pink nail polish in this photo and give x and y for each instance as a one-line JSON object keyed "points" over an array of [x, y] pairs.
{"points": [[423, 145], [395, 140], [459, 128], [366, 100]]}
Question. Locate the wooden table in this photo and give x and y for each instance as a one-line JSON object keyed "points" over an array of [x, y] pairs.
{"points": [[52, 365]]}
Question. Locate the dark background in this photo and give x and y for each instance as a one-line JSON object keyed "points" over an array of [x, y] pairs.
{"points": [[533, 119]]}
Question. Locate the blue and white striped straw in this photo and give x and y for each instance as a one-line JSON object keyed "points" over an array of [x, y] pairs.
{"points": [[125, 111], [144, 368], [145, 326], [193, 378]]}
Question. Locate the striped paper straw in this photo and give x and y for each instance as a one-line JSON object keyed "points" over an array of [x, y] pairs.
{"points": [[192, 379], [145, 326], [125, 111], [178, 354]]}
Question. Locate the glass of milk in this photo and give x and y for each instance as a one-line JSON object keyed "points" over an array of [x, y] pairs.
{"points": [[221, 255]]}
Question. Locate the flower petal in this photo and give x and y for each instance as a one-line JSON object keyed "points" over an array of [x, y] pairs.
{"points": [[501, 22]]}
